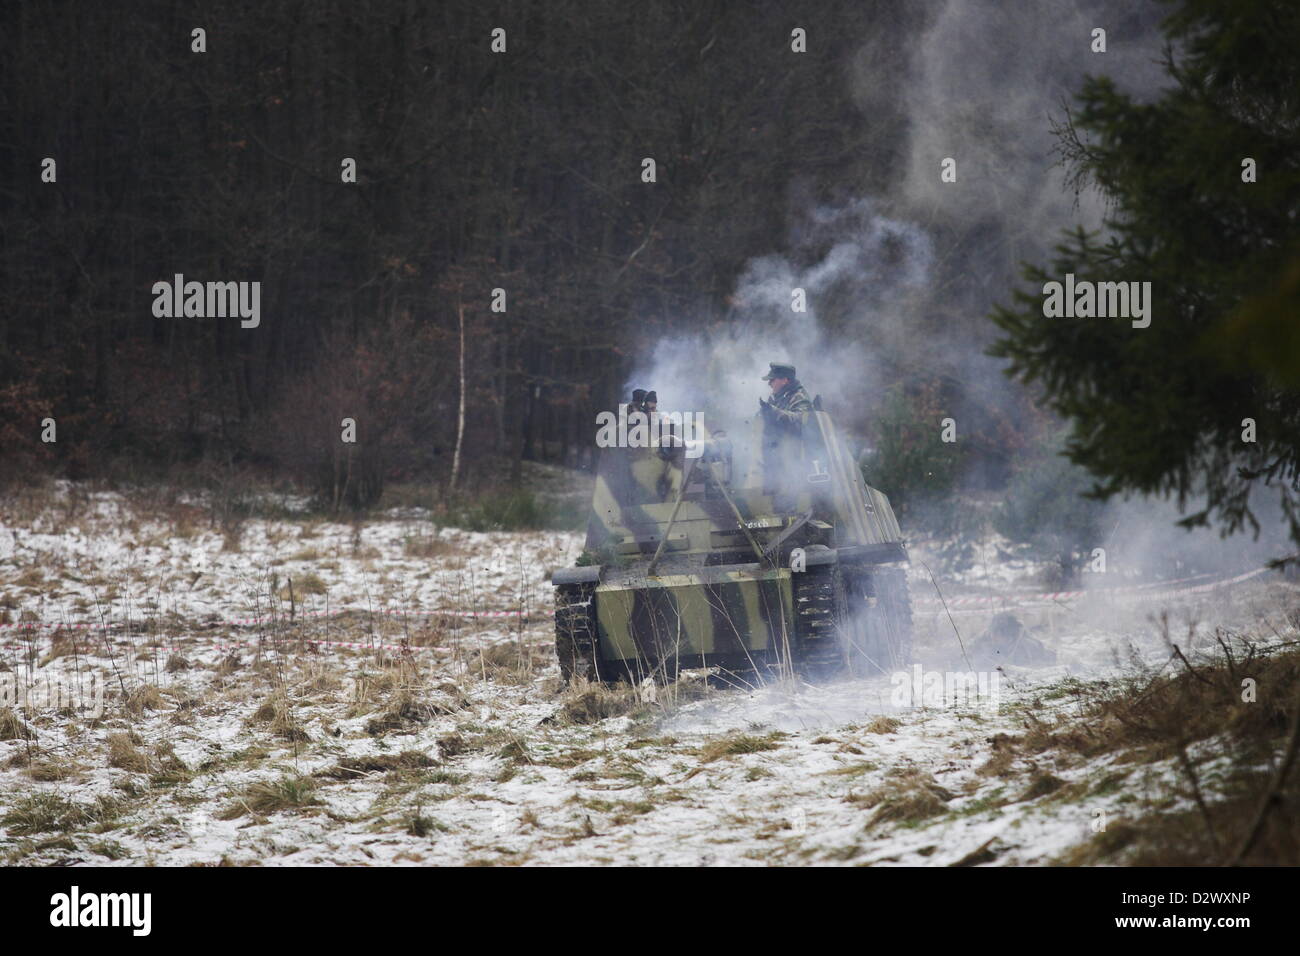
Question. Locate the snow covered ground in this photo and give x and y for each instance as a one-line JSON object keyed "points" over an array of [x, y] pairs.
{"points": [[454, 742], [100, 556]]}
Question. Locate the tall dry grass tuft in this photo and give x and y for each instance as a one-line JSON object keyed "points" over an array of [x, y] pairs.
{"points": [[908, 796], [46, 812], [506, 663], [124, 753], [144, 698], [276, 711], [1239, 711], [272, 796], [13, 727], [588, 703]]}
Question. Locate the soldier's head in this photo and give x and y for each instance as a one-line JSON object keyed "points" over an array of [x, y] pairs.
{"points": [[651, 401], [638, 400], [779, 375]]}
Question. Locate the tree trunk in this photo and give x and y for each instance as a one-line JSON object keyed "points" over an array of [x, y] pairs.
{"points": [[460, 416]]}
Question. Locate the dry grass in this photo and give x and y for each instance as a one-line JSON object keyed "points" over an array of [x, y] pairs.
{"points": [[1041, 785], [883, 725], [64, 643], [412, 704], [31, 578], [516, 751], [1181, 838], [318, 679], [684, 690], [49, 812], [452, 745], [585, 703], [18, 760], [51, 770], [506, 663], [1003, 757], [371, 688], [302, 585], [124, 754], [353, 768], [909, 797], [168, 769], [1155, 719], [277, 713], [143, 698], [109, 850], [273, 796], [418, 825], [13, 727], [738, 745], [430, 632], [1148, 717], [582, 702], [1129, 723], [854, 769], [428, 546]]}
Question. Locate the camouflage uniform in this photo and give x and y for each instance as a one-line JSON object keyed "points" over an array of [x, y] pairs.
{"points": [[788, 407], [784, 415], [791, 403]]}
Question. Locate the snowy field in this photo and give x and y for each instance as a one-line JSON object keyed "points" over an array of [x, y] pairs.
{"points": [[248, 696]]}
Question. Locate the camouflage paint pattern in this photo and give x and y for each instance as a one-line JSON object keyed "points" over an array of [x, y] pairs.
{"points": [[711, 597]]}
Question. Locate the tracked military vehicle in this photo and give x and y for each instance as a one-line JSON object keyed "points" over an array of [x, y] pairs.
{"points": [[770, 555]]}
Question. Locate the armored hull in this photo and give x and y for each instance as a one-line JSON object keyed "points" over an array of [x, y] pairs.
{"points": [[793, 563]]}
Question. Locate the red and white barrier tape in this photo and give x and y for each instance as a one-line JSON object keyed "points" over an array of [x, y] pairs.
{"points": [[267, 619], [1054, 597], [110, 627], [959, 603]]}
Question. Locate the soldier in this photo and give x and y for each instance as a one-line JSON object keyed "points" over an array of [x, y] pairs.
{"points": [[790, 402], [783, 417], [638, 400]]}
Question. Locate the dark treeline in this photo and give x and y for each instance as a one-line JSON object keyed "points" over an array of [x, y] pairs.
{"points": [[476, 171]]}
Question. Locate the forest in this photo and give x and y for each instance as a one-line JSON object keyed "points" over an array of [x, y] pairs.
{"points": [[447, 213]]}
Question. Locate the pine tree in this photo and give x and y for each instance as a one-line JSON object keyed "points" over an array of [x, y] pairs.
{"points": [[1164, 409]]}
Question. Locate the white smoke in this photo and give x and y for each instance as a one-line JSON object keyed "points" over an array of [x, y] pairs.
{"points": [[908, 276], [878, 263], [899, 284]]}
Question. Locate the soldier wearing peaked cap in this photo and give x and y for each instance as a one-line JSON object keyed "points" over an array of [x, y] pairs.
{"points": [[789, 402]]}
